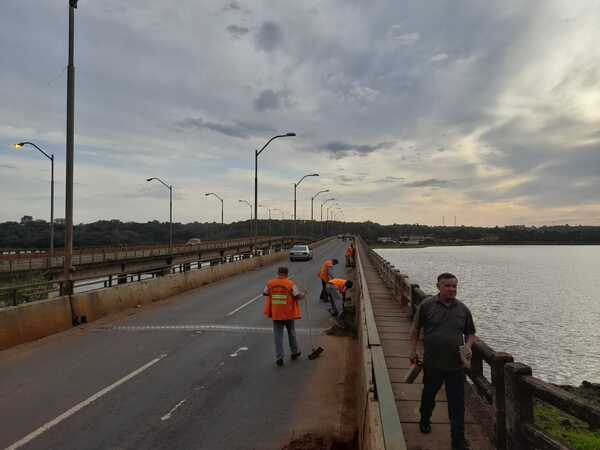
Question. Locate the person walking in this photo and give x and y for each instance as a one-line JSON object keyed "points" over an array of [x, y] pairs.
{"points": [[336, 291], [350, 256], [447, 323], [281, 305], [326, 274]]}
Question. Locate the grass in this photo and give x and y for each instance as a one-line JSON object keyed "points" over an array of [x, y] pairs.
{"points": [[564, 428]]}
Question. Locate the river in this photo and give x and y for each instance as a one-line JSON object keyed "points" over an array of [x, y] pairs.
{"points": [[539, 303]]}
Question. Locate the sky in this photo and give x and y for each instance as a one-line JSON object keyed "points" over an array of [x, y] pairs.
{"points": [[479, 113]]}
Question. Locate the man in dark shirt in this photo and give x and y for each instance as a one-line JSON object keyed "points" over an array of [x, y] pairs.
{"points": [[447, 323]]}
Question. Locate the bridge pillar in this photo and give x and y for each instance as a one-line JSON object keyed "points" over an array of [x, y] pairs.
{"points": [[223, 257], [187, 267], [122, 278], [519, 406]]}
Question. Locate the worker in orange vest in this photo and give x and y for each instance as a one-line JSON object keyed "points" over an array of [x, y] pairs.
{"points": [[282, 306], [336, 291], [350, 256], [326, 274]]}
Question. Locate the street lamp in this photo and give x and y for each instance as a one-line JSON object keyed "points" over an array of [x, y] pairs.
{"points": [[256, 154], [212, 193], [170, 188], [269, 209], [295, 188], [250, 205], [312, 200], [70, 141], [51, 158], [325, 202]]}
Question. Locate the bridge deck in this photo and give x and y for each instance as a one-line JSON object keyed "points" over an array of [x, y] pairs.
{"points": [[393, 324]]}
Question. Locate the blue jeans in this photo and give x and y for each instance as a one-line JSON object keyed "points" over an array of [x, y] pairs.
{"points": [[336, 300], [278, 326], [455, 392]]}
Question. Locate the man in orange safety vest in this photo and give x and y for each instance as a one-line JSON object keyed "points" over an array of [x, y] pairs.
{"points": [[326, 274], [282, 306], [336, 291]]}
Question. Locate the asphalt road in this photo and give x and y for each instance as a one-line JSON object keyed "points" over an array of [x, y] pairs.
{"points": [[194, 371]]}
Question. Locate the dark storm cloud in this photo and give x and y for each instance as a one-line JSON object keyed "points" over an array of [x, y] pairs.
{"points": [[237, 31], [269, 99], [432, 182], [338, 149], [238, 129], [269, 37]]}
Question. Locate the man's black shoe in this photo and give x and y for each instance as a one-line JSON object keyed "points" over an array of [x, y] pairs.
{"points": [[425, 427], [296, 355], [279, 362]]}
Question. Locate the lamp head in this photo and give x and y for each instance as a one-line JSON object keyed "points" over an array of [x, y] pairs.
{"points": [[290, 134], [149, 179], [19, 145], [314, 175]]}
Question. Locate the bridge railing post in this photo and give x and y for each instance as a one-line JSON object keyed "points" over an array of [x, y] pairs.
{"points": [[500, 360], [519, 406]]}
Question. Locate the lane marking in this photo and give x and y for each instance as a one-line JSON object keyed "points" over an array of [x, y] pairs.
{"points": [[244, 305], [201, 327], [168, 415], [31, 436], [241, 349]]}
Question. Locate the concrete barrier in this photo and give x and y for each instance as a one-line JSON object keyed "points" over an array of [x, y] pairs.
{"points": [[31, 321]]}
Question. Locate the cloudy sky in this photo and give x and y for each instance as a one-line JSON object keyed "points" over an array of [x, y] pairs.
{"points": [[410, 111]]}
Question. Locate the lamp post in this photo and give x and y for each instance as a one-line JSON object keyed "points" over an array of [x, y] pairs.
{"points": [[250, 205], [295, 189], [170, 188], [51, 158], [322, 204], [312, 200], [256, 155], [212, 193], [327, 221], [68, 250], [268, 209]]}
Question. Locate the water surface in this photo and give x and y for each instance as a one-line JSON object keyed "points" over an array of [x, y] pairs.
{"points": [[539, 303]]}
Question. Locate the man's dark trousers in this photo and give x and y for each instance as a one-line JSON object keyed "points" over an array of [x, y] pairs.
{"points": [[455, 392]]}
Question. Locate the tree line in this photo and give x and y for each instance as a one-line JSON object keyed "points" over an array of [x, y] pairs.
{"points": [[35, 234]]}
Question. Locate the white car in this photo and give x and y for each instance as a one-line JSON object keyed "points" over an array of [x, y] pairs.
{"points": [[300, 252]]}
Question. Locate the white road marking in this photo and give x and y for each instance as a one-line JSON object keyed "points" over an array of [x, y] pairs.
{"points": [[31, 436], [244, 305], [241, 349], [203, 327], [168, 415]]}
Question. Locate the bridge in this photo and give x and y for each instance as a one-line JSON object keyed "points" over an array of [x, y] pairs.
{"points": [[186, 361]]}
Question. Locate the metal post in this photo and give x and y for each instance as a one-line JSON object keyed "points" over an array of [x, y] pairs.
{"points": [[256, 193], [52, 206], [222, 222], [295, 187], [70, 154], [171, 219]]}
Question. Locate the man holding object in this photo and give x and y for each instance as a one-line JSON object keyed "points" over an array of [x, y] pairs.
{"points": [[447, 324]]}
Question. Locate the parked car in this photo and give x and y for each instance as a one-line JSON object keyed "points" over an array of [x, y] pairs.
{"points": [[300, 252], [194, 241]]}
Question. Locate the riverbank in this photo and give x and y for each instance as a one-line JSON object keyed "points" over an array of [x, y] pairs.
{"points": [[567, 429]]}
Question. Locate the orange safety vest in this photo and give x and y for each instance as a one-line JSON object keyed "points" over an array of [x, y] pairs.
{"points": [[323, 274], [281, 305], [350, 251], [339, 283]]}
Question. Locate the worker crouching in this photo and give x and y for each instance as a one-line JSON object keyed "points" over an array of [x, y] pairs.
{"points": [[282, 306], [336, 291]]}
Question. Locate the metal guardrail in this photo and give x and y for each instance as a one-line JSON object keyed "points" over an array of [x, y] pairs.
{"points": [[378, 379], [96, 255], [510, 391]]}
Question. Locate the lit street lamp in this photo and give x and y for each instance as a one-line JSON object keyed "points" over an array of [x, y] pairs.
{"points": [[212, 193], [170, 188], [51, 158], [295, 188], [256, 155]]}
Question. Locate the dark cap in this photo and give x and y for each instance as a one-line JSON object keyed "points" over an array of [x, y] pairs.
{"points": [[283, 270], [334, 261]]}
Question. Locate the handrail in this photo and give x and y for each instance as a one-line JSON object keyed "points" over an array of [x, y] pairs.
{"points": [[393, 435]]}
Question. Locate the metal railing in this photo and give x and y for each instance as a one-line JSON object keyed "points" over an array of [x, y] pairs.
{"points": [[511, 388], [43, 261]]}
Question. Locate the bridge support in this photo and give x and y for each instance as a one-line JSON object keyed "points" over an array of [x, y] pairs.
{"points": [[519, 406], [122, 278]]}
